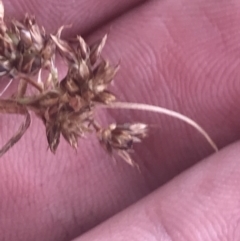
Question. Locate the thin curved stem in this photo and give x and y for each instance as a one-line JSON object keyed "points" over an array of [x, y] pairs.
{"points": [[6, 87], [161, 110], [22, 129]]}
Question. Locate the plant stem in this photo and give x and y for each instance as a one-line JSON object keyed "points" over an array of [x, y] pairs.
{"points": [[12, 107], [161, 110]]}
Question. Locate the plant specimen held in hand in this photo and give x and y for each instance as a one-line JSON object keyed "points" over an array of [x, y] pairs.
{"points": [[66, 106]]}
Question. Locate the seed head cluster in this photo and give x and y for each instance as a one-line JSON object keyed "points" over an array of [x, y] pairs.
{"points": [[66, 106]]}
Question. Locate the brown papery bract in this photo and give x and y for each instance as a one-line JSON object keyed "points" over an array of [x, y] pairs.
{"points": [[66, 106]]}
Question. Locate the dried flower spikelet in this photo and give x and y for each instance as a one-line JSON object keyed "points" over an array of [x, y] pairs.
{"points": [[63, 114], [76, 125], [120, 138], [71, 126], [88, 75], [25, 48], [2, 24], [103, 75]]}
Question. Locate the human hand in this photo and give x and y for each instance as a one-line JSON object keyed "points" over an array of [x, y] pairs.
{"points": [[181, 55]]}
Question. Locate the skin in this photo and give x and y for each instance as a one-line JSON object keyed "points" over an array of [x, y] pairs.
{"points": [[183, 55]]}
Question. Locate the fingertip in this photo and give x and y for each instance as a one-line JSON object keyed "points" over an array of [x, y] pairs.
{"points": [[200, 204]]}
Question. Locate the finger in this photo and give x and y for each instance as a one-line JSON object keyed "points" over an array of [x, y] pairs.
{"points": [[85, 182], [200, 204], [83, 15]]}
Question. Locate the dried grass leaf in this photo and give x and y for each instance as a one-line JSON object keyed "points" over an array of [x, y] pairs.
{"points": [[18, 135]]}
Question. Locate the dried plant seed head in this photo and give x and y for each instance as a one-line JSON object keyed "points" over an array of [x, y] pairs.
{"points": [[66, 106], [120, 138], [76, 126], [25, 48], [83, 77]]}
